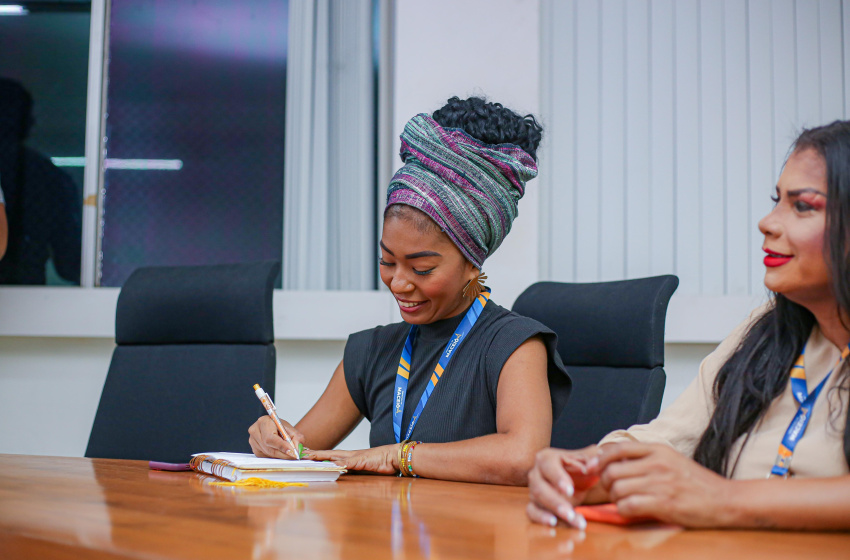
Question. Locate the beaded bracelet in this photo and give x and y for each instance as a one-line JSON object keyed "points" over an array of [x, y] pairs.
{"points": [[400, 457], [403, 467], [408, 459]]}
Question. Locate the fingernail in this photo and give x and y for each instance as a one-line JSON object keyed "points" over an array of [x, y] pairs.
{"points": [[567, 488], [553, 521], [567, 513], [580, 522], [593, 462]]}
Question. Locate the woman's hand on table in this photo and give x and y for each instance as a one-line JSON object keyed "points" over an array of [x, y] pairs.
{"points": [[655, 480], [381, 460], [267, 442], [559, 480]]}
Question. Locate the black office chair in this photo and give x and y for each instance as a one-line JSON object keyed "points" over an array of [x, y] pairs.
{"points": [[192, 342], [611, 338]]}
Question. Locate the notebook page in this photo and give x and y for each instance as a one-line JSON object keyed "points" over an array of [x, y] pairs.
{"points": [[251, 461]]}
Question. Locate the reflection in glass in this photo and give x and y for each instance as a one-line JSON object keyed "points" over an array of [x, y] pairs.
{"points": [[43, 81], [202, 84]]}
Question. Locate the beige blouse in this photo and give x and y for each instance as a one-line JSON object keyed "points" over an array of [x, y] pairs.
{"points": [[820, 452]]}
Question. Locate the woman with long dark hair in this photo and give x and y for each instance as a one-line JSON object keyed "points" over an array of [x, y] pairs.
{"points": [[761, 437]]}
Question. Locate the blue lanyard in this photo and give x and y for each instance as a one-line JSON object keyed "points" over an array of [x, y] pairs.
{"points": [[403, 373], [800, 421]]}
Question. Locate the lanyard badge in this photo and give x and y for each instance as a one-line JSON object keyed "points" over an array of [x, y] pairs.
{"points": [[403, 373], [800, 421]]}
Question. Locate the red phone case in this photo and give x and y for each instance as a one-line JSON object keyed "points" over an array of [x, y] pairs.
{"points": [[607, 513]]}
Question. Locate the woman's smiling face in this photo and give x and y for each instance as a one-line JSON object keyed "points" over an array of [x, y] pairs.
{"points": [[424, 270], [794, 232]]}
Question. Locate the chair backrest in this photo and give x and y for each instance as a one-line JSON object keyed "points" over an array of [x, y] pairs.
{"points": [[192, 342], [611, 338]]}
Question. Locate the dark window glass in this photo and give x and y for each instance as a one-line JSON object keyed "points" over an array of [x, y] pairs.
{"points": [[43, 82], [195, 134]]}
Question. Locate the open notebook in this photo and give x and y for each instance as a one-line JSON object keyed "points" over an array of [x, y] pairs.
{"points": [[236, 466]]}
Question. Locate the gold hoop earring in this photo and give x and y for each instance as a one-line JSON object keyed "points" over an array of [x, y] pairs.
{"points": [[473, 289]]}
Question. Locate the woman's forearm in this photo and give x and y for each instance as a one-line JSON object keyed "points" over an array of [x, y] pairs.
{"points": [[491, 459], [810, 503]]}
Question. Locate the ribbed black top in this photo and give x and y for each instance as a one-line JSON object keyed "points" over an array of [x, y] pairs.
{"points": [[463, 405]]}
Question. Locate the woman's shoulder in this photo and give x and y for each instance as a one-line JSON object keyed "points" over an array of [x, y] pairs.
{"points": [[506, 330], [365, 349], [711, 365], [381, 334], [733, 340], [507, 322]]}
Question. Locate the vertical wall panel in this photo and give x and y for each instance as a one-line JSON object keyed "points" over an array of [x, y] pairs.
{"points": [[762, 167], [831, 67], [672, 119], [712, 194], [612, 160], [559, 173], [687, 153], [808, 63], [587, 141], [736, 132], [662, 138], [637, 181], [785, 84], [845, 21]]}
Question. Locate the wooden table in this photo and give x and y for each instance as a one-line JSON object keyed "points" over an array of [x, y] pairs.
{"points": [[69, 508]]}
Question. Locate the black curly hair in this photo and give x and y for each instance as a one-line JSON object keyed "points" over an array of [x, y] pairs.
{"points": [[491, 123]]}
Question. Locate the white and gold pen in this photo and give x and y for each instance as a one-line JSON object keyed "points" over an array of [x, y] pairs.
{"points": [[269, 406]]}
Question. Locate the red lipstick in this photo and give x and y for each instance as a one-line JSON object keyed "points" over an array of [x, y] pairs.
{"points": [[774, 259]]}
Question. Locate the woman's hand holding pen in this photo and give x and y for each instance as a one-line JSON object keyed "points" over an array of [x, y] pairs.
{"points": [[266, 441], [381, 460], [559, 480]]}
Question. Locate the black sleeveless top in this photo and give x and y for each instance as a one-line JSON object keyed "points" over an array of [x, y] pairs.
{"points": [[463, 404]]}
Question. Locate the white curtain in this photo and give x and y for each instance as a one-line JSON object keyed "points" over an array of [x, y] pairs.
{"points": [[329, 179]]}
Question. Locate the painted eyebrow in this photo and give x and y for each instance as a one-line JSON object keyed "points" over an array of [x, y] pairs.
{"points": [[798, 192], [418, 255]]}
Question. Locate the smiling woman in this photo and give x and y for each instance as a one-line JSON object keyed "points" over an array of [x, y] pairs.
{"points": [[428, 285], [749, 443], [474, 383]]}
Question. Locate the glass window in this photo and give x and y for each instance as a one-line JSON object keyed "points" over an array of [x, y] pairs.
{"points": [[43, 81], [195, 134]]}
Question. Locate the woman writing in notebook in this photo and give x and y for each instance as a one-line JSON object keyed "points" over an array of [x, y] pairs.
{"points": [[761, 437], [462, 389]]}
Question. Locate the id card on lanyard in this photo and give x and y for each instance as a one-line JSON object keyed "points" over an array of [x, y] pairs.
{"points": [[403, 373], [800, 421]]}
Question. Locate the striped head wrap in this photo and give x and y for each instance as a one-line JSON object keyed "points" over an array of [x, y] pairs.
{"points": [[471, 189]]}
